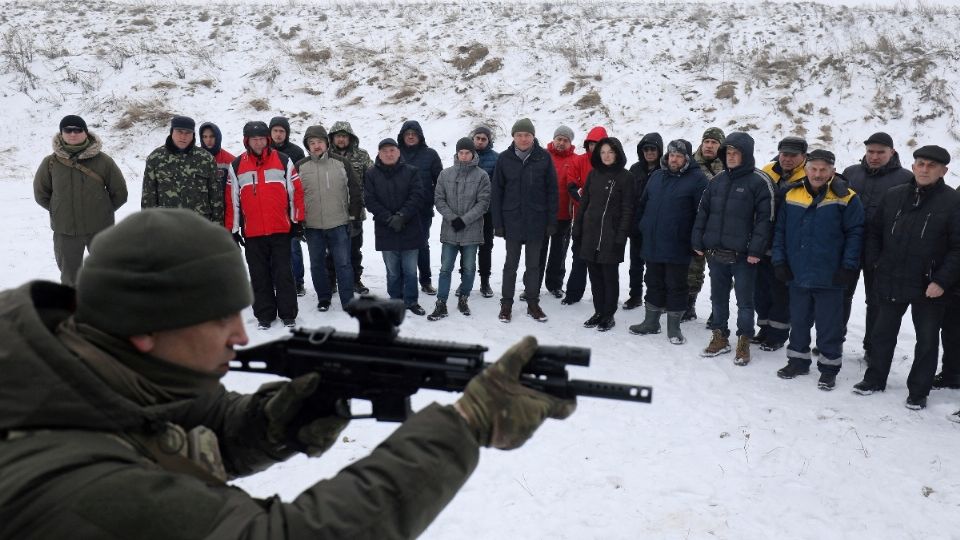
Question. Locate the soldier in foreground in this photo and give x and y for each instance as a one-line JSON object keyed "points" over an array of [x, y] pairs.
{"points": [[113, 423]]}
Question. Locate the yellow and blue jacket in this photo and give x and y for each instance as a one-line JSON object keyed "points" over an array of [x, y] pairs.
{"points": [[816, 234]]}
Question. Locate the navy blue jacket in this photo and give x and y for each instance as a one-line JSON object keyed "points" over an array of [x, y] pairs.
{"points": [[488, 159], [425, 160], [525, 196], [388, 190], [736, 210], [816, 235], [667, 210]]}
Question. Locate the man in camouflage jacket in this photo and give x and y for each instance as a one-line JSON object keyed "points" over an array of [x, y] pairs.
{"points": [[180, 174], [346, 144]]}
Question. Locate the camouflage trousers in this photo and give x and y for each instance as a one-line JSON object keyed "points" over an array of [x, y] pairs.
{"points": [[695, 274]]}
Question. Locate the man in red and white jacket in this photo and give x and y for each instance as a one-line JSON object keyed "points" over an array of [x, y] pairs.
{"points": [[263, 188]]}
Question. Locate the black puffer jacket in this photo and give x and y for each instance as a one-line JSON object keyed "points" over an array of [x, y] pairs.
{"points": [[914, 239], [605, 218], [525, 194], [736, 210], [871, 184]]}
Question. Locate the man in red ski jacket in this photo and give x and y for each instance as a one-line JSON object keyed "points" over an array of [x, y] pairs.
{"points": [[264, 188], [567, 163]]}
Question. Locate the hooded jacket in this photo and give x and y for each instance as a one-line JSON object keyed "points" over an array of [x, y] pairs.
{"points": [[871, 184], [71, 467], [913, 240], [175, 178], [667, 210], [818, 234], [294, 152], [78, 204], [331, 193], [425, 160], [394, 189], [605, 218], [221, 156], [463, 191], [736, 210], [266, 190], [358, 158], [640, 170], [525, 195], [567, 165], [585, 165]]}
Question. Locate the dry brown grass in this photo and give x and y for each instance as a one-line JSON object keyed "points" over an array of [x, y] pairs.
{"points": [[259, 104], [590, 100], [153, 112], [468, 56]]}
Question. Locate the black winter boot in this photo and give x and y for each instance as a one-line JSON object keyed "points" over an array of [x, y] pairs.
{"points": [[691, 313], [439, 311]]}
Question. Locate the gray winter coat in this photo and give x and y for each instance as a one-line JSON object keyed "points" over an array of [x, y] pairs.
{"points": [[463, 191]]}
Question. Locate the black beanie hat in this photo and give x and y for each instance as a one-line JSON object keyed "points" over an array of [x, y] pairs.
{"points": [[72, 120], [466, 143], [933, 153], [255, 129], [161, 269], [182, 122]]}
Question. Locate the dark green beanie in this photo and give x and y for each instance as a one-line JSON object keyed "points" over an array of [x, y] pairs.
{"points": [[524, 125], [714, 133], [161, 269]]}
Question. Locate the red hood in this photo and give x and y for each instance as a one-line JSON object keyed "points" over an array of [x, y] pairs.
{"points": [[596, 134]]}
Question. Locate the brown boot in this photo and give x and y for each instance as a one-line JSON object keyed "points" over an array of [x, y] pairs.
{"points": [[743, 351], [506, 306], [719, 344], [533, 310]]}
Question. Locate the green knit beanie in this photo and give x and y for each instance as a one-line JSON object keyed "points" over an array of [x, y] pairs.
{"points": [[714, 133], [524, 125], [161, 269]]}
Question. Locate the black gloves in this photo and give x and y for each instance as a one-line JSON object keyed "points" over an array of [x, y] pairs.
{"points": [[499, 232], [396, 222], [574, 190], [238, 238], [458, 224], [296, 231], [783, 273], [846, 277]]}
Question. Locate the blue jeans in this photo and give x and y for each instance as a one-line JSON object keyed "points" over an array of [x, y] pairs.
{"points": [[337, 241], [744, 276], [468, 263], [296, 260], [402, 275]]}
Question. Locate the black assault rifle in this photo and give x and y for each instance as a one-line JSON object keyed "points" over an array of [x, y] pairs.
{"points": [[377, 366]]}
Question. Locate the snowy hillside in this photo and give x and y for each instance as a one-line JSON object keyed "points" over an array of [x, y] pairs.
{"points": [[723, 451]]}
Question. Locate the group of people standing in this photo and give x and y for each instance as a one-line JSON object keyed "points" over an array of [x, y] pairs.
{"points": [[789, 239]]}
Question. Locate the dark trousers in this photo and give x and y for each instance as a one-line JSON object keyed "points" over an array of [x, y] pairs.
{"points": [[335, 241], [484, 255], [605, 286], [950, 338], [743, 276], [872, 301], [68, 251], [423, 258], [667, 287], [771, 297], [296, 260], [274, 291], [553, 256], [577, 282], [531, 261], [356, 257], [636, 267], [927, 318], [823, 308]]}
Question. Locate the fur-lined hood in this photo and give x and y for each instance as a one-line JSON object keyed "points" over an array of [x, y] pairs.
{"points": [[95, 146]]}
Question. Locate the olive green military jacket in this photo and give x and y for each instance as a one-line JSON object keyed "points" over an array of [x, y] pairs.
{"points": [[79, 204], [173, 179], [72, 466]]}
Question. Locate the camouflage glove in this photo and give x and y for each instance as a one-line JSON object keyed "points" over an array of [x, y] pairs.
{"points": [[502, 412], [285, 420]]}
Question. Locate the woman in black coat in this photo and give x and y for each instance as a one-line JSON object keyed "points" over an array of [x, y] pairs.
{"points": [[602, 227]]}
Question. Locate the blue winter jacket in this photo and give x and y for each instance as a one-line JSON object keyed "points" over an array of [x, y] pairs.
{"points": [[816, 235], [488, 159], [667, 210], [524, 201], [388, 190], [425, 159], [736, 210]]}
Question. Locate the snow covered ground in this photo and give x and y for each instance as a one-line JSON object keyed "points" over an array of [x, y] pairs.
{"points": [[723, 451]]}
